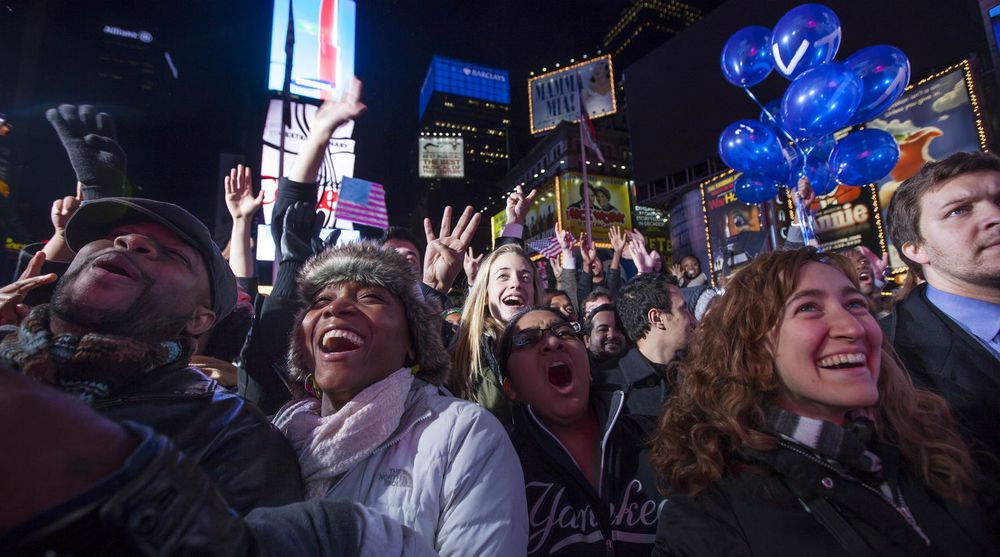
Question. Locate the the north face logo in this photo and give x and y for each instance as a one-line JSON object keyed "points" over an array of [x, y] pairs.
{"points": [[396, 477]]}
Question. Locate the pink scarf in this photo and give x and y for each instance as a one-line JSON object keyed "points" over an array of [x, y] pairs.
{"points": [[328, 446]]}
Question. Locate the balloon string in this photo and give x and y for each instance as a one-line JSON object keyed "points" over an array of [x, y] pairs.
{"points": [[805, 216]]}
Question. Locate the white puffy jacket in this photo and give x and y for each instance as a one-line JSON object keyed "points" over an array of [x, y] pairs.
{"points": [[450, 473]]}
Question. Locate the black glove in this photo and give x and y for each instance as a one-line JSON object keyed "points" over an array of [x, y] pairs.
{"points": [[92, 145], [300, 237]]}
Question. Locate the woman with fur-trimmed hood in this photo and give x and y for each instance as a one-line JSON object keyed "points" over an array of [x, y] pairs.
{"points": [[377, 427]]}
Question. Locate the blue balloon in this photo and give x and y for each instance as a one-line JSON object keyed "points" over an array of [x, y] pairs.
{"points": [[750, 146], [818, 173], [804, 38], [746, 58], [820, 101], [819, 148], [750, 188], [884, 72], [864, 157]]}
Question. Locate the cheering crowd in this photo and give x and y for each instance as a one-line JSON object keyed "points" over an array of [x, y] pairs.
{"points": [[153, 403]]}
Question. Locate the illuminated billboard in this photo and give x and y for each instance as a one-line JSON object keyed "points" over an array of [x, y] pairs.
{"points": [[463, 78], [553, 97], [442, 157], [323, 58], [337, 163], [609, 203]]}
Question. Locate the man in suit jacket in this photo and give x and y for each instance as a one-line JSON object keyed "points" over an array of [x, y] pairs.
{"points": [[945, 222]]}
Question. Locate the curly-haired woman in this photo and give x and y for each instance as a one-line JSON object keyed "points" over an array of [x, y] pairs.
{"points": [[796, 432]]}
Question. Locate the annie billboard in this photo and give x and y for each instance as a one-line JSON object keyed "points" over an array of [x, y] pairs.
{"points": [[554, 97]]}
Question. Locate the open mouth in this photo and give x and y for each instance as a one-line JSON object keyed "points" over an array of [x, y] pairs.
{"points": [[842, 361], [864, 276], [512, 301], [336, 341], [560, 375], [117, 265]]}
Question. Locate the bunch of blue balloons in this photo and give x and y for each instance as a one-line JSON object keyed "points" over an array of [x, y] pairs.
{"points": [[794, 135]]}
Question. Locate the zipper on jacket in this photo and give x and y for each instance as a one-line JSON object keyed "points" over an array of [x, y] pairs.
{"points": [[900, 506], [619, 400]]}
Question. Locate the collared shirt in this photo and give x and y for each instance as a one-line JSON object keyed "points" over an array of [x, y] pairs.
{"points": [[979, 318]]}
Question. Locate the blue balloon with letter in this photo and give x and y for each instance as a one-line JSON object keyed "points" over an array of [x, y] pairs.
{"points": [[746, 58], [755, 188], [750, 146], [884, 72], [820, 101], [864, 157], [804, 38]]}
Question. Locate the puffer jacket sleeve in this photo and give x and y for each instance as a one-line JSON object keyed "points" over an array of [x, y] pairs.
{"points": [[486, 512]]}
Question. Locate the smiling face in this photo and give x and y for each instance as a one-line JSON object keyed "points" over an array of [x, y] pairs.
{"points": [[561, 303], [959, 227], [605, 340], [142, 281], [355, 335], [691, 267], [552, 376], [827, 347], [511, 286]]}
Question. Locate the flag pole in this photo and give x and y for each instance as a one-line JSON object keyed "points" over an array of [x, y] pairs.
{"points": [[583, 157], [286, 89]]}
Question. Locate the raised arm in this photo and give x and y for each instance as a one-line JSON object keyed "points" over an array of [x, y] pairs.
{"points": [[242, 206]]}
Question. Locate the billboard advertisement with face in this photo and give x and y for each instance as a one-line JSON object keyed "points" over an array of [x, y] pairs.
{"points": [[935, 118], [323, 55], [609, 202], [553, 97]]}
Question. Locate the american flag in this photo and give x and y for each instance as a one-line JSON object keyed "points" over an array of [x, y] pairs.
{"points": [[549, 247], [362, 202], [589, 134]]}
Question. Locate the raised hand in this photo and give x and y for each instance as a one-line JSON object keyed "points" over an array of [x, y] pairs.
{"points": [[643, 260], [471, 264], [565, 239], [63, 209], [334, 113], [804, 190], [91, 142], [445, 255], [11, 296], [518, 204], [675, 270], [240, 200], [617, 238], [587, 251]]}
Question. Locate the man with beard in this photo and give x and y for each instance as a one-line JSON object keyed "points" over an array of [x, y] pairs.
{"points": [[656, 319], [146, 280], [945, 222], [603, 333]]}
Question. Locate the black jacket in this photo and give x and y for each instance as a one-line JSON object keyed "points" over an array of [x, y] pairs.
{"points": [[646, 387], [248, 460], [566, 515], [752, 513], [943, 358]]}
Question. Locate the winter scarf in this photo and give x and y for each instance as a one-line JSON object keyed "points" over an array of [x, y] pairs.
{"points": [[91, 366], [845, 445], [328, 446]]}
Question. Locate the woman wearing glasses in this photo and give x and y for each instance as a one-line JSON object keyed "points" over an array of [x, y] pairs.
{"points": [[588, 482]]}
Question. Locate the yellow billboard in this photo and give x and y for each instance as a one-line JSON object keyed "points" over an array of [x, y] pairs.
{"points": [[609, 202]]}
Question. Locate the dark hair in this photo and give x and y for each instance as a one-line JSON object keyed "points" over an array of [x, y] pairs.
{"points": [[904, 209], [505, 343], [404, 234], [588, 323], [556, 292], [638, 296], [598, 292]]}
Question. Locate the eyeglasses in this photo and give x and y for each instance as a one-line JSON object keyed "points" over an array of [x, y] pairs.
{"points": [[567, 330]]}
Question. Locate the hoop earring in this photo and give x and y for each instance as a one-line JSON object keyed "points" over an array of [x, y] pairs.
{"points": [[312, 387]]}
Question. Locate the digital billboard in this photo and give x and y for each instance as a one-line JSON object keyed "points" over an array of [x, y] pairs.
{"points": [[323, 57], [337, 163], [466, 79], [936, 117], [609, 205], [553, 97], [441, 157]]}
